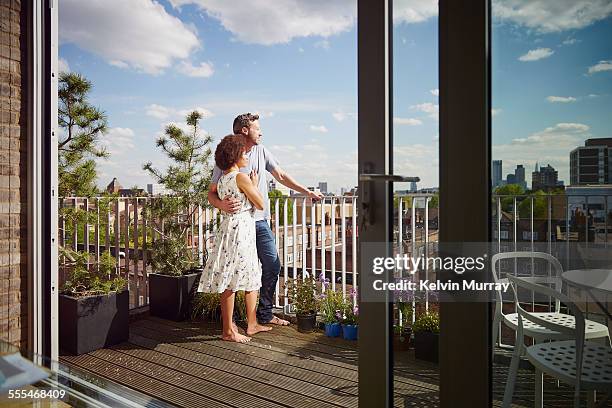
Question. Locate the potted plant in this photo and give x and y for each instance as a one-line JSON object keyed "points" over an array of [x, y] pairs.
{"points": [[331, 306], [93, 304], [350, 321], [302, 293], [403, 330], [176, 264], [426, 333]]}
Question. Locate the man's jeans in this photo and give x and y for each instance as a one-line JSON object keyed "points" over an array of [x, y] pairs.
{"points": [[270, 268]]}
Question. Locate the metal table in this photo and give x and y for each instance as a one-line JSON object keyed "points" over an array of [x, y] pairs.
{"points": [[596, 282]]}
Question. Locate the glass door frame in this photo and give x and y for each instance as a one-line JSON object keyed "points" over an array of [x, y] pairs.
{"points": [[465, 131]]}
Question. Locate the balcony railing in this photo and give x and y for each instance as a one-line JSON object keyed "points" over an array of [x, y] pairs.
{"points": [[322, 238], [319, 238]]}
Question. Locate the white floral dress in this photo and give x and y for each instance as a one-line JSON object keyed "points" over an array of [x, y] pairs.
{"points": [[233, 263]]}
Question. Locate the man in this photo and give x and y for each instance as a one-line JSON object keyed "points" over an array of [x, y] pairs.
{"points": [[260, 161]]}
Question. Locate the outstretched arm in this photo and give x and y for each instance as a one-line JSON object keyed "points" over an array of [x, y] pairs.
{"points": [[248, 186], [288, 181]]}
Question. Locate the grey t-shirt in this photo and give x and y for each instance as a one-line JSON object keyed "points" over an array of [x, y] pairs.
{"points": [[260, 160]]}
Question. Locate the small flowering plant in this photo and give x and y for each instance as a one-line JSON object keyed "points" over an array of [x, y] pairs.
{"points": [[351, 314], [330, 305]]}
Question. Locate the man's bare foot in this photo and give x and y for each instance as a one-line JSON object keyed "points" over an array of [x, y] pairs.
{"points": [[278, 321], [251, 330], [236, 337], [234, 326]]}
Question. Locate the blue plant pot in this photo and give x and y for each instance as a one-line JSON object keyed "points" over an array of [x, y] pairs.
{"points": [[349, 331], [333, 329]]}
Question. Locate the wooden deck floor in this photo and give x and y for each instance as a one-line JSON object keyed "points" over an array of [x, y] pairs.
{"points": [[185, 364]]}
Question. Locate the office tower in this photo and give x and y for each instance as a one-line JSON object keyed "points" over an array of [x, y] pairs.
{"points": [[323, 187], [544, 179], [496, 173], [592, 163], [519, 176]]}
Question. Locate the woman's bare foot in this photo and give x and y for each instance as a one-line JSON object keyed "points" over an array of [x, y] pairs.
{"points": [[236, 337], [256, 328]]}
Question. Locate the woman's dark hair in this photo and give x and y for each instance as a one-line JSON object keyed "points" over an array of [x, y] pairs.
{"points": [[229, 150]]}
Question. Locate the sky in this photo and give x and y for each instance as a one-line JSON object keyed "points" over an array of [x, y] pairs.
{"points": [[295, 63]]}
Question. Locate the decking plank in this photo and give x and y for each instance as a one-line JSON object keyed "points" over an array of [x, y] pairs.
{"points": [[407, 386], [148, 385], [239, 376], [186, 364], [190, 382]]}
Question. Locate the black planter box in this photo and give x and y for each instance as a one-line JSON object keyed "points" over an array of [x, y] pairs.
{"points": [[93, 322], [170, 296], [426, 346]]}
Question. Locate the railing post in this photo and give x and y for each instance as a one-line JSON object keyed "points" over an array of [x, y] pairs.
{"points": [[333, 242], [294, 242], [343, 239], [354, 244], [86, 229], [200, 236], [285, 266], [304, 239]]}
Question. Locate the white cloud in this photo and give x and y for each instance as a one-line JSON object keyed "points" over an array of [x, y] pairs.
{"points": [[335, 167], [435, 92], [414, 11], [339, 116], [318, 128], [601, 66], [420, 160], [537, 54], [165, 112], [62, 65], [407, 121], [495, 111], [569, 41], [158, 111], [203, 70], [265, 22], [324, 44], [560, 99], [430, 108], [118, 141], [552, 16], [551, 145], [206, 113], [137, 34]]}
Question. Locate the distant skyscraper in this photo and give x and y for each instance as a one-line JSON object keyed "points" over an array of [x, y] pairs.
{"points": [[510, 179], [413, 186], [545, 179], [323, 187], [496, 173], [592, 163], [519, 176]]}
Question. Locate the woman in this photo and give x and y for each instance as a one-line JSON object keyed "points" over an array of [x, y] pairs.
{"points": [[233, 264]]}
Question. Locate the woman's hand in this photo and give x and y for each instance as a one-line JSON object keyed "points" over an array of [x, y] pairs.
{"points": [[254, 177]]}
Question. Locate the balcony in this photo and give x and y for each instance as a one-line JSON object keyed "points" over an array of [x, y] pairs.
{"points": [[187, 364]]}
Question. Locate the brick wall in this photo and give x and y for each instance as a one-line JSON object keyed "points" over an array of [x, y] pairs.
{"points": [[13, 181]]}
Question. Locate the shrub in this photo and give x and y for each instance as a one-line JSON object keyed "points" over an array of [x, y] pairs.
{"points": [[302, 293], [428, 322], [99, 278]]}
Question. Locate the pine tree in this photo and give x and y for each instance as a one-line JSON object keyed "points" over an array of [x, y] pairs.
{"points": [[188, 177], [83, 124]]}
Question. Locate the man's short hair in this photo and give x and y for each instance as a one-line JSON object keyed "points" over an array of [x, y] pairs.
{"points": [[243, 120]]}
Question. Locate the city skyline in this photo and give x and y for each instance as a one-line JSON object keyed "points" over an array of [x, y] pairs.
{"points": [[150, 62]]}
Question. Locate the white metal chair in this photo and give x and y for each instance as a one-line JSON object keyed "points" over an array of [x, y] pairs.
{"points": [[585, 365], [531, 327]]}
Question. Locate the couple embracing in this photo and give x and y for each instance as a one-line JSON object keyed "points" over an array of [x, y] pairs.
{"points": [[239, 189]]}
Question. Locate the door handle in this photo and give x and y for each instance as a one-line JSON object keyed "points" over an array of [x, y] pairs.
{"points": [[387, 177], [367, 203]]}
